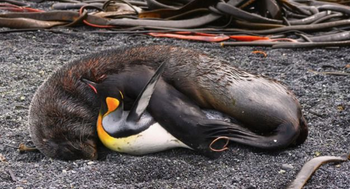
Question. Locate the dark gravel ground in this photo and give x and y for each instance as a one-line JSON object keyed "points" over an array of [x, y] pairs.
{"points": [[27, 59]]}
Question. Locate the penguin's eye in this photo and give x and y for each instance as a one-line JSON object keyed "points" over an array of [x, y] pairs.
{"points": [[112, 104]]}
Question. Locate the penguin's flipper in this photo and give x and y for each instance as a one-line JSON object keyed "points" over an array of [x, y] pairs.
{"points": [[144, 97], [279, 138]]}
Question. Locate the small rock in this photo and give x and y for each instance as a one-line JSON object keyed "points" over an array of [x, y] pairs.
{"points": [[340, 108], [2, 158], [281, 171], [287, 166], [42, 72], [317, 153], [20, 107]]}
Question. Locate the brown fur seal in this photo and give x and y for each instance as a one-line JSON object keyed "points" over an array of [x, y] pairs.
{"points": [[64, 110]]}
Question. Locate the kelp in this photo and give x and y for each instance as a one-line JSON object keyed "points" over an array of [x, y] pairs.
{"points": [[309, 23]]}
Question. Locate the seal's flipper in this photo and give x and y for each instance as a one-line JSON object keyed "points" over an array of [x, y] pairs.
{"points": [[144, 97], [280, 138]]}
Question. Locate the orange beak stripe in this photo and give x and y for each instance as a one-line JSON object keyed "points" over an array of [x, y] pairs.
{"points": [[112, 104]]}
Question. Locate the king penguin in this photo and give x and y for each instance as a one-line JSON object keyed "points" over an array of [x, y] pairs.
{"points": [[133, 132]]}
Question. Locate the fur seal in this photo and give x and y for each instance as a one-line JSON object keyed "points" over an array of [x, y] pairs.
{"points": [[64, 111]]}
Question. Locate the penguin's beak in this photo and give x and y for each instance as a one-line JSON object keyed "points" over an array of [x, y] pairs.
{"points": [[91, 84], [112, 105]]}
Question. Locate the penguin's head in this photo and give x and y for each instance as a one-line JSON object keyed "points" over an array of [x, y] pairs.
{"points": [[112, 104], [111, 97], [112, 118]]}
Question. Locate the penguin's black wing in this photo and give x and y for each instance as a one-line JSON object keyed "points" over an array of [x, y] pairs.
{"points": [[144, 97]]}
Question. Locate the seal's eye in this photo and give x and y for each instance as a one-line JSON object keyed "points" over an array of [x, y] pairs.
{"points": [[112, 104]]}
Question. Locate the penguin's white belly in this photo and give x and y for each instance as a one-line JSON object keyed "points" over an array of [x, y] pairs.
{"points": [[153, 139]]}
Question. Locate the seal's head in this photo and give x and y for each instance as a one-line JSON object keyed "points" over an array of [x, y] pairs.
{"points": [[63, 122]]}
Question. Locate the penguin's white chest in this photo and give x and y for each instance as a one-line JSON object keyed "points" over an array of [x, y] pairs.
{"points": [[153, 139]]}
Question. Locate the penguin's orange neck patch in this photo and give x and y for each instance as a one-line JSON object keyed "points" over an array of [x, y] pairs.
{"points": [[112, 104], [105, 138]]}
